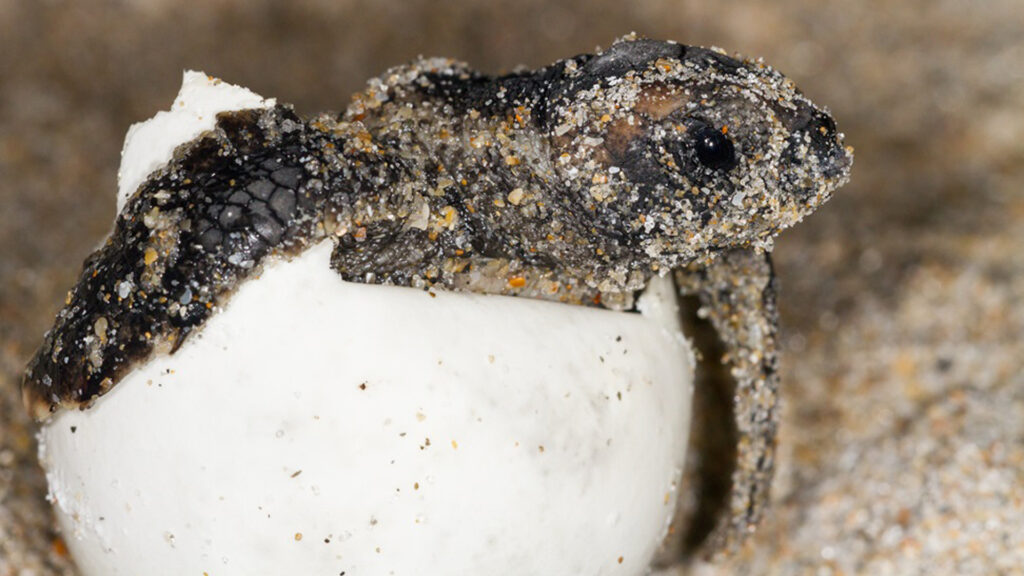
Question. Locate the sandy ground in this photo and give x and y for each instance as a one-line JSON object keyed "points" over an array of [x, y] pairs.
{"points": [[902, 447]]}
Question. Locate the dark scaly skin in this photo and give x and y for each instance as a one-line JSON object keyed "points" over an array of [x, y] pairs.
{"points": [[577, 183]]}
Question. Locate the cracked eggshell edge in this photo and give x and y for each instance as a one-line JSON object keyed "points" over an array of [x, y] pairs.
{"points": [[149, 144]]}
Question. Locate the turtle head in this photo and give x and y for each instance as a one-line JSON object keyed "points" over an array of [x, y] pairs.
{"points": [[679, 151]]}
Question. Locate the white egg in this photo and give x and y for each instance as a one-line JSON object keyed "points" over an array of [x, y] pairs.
{"points": [[319, 427]]}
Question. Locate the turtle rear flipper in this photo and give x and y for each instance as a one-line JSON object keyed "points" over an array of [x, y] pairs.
{"points": [[734, 460]]}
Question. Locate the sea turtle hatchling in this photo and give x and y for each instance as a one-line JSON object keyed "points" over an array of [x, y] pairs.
{"points": [[577, 182]]}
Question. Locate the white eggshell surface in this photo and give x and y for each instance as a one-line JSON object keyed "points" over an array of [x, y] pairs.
{"points": [[315, 427]]}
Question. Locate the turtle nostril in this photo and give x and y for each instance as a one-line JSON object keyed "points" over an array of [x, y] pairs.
{"points": [[822, 123], [819, 126], [809, 119]]}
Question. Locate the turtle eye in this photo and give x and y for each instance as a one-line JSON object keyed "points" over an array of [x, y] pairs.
{"points": [[714, 149]]}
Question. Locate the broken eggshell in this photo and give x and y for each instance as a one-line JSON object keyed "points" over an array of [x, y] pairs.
{"points": [[316, 426]]}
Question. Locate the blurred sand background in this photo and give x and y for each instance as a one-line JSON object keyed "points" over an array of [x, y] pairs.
{"points": [[902, 446]]}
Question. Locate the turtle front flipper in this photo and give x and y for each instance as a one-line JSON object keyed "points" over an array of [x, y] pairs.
{"points": [[194, 231], [737, 297]]}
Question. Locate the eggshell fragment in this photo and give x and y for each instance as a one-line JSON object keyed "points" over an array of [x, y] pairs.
{"points": [[148, 145], [315, 426]]}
